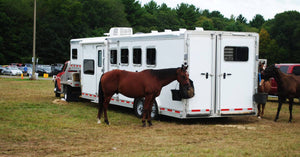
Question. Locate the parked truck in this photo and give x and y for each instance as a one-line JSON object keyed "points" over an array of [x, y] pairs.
{"points": [[67, 82]]}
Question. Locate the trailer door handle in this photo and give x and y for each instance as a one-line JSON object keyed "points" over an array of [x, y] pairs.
{"points": [[224, 75], [206, 75]]}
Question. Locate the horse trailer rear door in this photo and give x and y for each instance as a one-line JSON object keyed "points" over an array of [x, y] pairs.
{"points": [[236, 71], [201, 70]]}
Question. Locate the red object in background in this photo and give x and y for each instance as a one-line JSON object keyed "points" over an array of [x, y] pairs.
{"points": [[58, 76]]}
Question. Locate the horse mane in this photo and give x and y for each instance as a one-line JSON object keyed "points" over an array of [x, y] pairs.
{"points": [[162, 74]]}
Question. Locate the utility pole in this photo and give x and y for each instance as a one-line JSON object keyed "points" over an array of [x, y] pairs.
{"points": [[33, 49]]}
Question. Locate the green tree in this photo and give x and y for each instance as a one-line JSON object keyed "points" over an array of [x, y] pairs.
{"points": [[188, 15], [15, 30], [167, 18], [241, 19], [257, 21], [285, 30]]}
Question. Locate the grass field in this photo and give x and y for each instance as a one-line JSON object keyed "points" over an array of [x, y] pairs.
{"points": [[32, 123]]}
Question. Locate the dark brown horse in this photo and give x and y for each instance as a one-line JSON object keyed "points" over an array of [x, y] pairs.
{"points": [[147, 83], [288, 86], [263, 87]]}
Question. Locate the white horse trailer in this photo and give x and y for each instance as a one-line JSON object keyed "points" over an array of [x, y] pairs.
{"points": [[222, 65]]}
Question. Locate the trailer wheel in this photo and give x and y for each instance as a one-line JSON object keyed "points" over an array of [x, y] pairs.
{"points": [[139, 108], [56, 90], [67, 93]]}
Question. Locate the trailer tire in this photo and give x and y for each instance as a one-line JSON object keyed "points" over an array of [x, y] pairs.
{"points": [[139, 108], [56, 90], [68, 93]]}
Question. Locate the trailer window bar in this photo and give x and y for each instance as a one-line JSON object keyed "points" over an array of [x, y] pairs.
{"points": [[151, 56], [137, 56], [124, 56], [99, 58], [234, 53], [113, 56], [88, 66], [74, 53]]}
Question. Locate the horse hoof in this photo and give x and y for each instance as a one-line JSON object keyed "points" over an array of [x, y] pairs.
{"points": [[150, 123], [259, 117], [99, 121], [290, 121], [107, 122]]}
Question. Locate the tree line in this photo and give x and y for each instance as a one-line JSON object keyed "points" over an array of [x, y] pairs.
{"points": [[58, 21]]}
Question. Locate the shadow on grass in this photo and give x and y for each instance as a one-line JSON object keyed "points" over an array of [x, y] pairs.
{"points": [[162, 118]]}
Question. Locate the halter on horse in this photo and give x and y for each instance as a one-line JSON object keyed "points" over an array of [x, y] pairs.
{"points": [[147, 83], [288, 86]]}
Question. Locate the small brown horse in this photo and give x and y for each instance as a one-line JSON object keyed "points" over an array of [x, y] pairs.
{"points": [[147, 83], [288, 86], [263, 87]]}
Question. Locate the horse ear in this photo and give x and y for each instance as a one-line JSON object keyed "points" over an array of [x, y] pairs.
{"points": [[183, 68]]}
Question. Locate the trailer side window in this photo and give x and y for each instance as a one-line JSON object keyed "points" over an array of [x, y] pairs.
{"points": [[88, 66], [124, 56], [296, 70], [113, 56], [284, 69], [74, 53], [232, 53], [137, 56], [151, 56], [99, 58]]}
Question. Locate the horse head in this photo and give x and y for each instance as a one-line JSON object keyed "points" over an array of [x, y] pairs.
{"points": [[185, 82], [271, 71]]}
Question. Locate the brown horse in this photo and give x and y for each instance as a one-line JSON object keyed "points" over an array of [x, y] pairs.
{"points": [[147, 83], [263, 87], [288, 86]]}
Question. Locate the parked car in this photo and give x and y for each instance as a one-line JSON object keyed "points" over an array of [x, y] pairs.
{"points": [[12, 70], [56, 68], [1, 68], [43, 69], [285, 68]]}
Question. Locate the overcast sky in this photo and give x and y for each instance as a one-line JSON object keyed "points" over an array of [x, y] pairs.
{"points": [[248, 8]]}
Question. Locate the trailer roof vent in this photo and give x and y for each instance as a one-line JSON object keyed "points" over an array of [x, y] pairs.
{"points": [[168, 30], [119, 31], [199, 29], [154, 31], [182, 29]]}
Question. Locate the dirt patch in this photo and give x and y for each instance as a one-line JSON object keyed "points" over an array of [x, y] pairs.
{"points": [[60, 102], [242, 127]]}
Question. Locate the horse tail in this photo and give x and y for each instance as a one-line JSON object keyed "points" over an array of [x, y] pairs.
{"points": [[101, 97]]}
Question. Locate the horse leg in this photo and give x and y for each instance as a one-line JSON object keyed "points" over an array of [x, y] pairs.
{"points": [[258, 107], [146, 109], [291, 108], [100, 111], [144, 113], [263, 110], [149, 112], [280, 100], [105, 106]]}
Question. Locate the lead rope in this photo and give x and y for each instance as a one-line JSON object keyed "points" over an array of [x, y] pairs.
{"points": [[259, 79]]}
